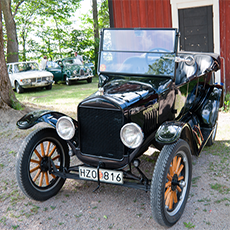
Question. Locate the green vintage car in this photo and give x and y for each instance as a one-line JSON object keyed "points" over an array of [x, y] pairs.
{"points": [[69, 70]]}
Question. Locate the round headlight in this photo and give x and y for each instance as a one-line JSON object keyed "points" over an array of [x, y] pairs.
{"points": [[131, 135], [65, 128]]}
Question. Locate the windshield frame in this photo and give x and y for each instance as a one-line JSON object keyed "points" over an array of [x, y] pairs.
{"points": [[173, 51]]}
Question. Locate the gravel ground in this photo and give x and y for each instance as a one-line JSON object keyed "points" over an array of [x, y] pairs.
{"points": [[76, 206]]}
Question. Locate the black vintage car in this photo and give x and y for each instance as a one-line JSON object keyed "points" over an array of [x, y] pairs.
{"points": [[149, 95]]}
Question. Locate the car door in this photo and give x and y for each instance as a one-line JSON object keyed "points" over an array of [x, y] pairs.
{"points": [[56, 70]]}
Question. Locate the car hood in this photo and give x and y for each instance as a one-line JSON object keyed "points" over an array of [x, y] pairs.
{"points": [[125, 93], [33, 74], [74, 67]]}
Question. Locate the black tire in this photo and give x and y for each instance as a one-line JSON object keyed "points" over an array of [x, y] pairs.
{"points": [[49, 87], [18, 88], [68, 82], [89, 80], [32, 171], [171, 183], [211, 139]]}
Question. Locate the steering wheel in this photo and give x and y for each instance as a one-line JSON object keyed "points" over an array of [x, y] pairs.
{"points": [[158, 49]]}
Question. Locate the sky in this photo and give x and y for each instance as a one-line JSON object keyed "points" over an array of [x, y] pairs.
{"points": [[86, 6]]}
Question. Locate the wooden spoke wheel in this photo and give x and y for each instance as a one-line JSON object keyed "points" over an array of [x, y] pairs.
{"points": [[34, 163], [171, 183]]}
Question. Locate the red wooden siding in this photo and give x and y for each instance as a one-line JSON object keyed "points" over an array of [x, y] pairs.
{"points": [[141, 13], [225, 39]]}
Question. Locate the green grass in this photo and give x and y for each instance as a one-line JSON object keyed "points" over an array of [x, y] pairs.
{"points": [[66, 96]]}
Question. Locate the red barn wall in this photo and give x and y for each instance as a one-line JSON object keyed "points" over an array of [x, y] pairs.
{"points": [[141, 13], [225, 39]]}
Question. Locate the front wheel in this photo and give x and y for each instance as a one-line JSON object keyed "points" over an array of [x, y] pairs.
{"points": [[68, 82], [171, 183], [33, 164], [18, 88], [49, 87], [89, 80]]}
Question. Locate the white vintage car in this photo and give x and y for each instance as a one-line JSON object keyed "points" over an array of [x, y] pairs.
{"points": [[27, 75]]}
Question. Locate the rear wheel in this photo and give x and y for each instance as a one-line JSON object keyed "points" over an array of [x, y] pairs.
{"points": [[171, 183], [33, 164], [18, 88]]}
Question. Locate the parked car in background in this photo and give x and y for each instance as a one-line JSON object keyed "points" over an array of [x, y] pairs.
{"points": [[25, 75], [69, 70]]}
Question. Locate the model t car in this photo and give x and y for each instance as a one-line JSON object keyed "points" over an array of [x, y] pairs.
{"points": [[149, 95]]}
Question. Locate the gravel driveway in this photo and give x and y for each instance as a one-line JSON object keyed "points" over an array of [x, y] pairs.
{"points": [[76, 206]]}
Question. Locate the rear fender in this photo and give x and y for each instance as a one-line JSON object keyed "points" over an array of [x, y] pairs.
{"points": [[35, 117]]}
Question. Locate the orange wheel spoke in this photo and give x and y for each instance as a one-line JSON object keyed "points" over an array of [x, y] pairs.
{"points": [[169, 177], [34, 169], [37, 175], [34, 161], [42, 149], [179, 170], [52, 151], [47, 178], [178, 188], [171, 201], [180, 178], [41, 179], [168, 184], [53, 176], [174, 164], [48, 148], [38, 154], [178, 164], [55, 158], [167, 192], [168, 199]]}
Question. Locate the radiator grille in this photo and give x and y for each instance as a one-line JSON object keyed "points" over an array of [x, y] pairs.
{"points": [[82, 72], [99, 131]]}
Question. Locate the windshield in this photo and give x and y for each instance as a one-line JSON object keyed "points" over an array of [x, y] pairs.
{"points": [[20, 67], [52, 64], [73, 61], [138, 51]]}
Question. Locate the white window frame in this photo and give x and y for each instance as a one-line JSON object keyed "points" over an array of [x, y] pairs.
{"points": [[183, 4]]}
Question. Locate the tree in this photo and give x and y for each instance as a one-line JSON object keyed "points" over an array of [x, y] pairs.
{"points": [[95, 20], [12, 40], [96, 32], [7, 97]]}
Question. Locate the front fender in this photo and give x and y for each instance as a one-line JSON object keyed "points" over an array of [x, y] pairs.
{"points": [[170, 132], [35, 117]]}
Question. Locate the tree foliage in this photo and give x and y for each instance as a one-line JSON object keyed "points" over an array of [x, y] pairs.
{"points": [[34, 28], [90, 28]]}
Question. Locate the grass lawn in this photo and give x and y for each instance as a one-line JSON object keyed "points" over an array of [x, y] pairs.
{"points": [[61, 97]]}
